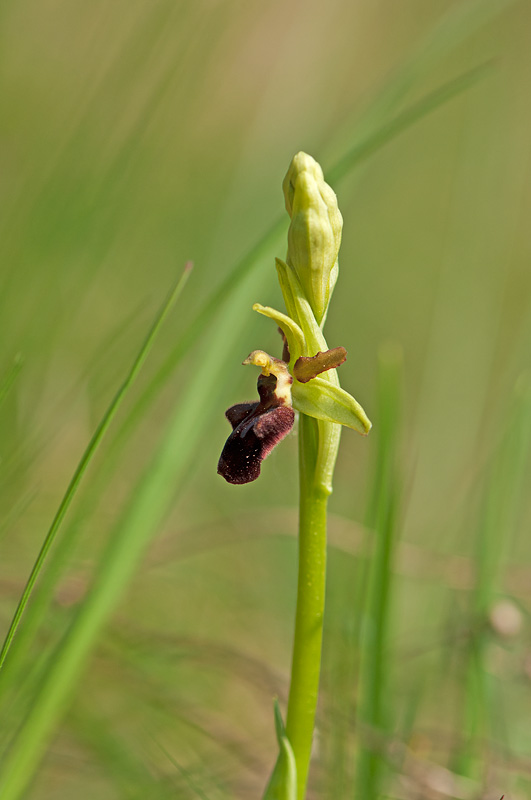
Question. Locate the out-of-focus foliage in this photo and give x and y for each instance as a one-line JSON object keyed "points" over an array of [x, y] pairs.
{"points": [[136, 136]]}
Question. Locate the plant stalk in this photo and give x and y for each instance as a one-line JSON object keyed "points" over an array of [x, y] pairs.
{"points": [[306, 661]]}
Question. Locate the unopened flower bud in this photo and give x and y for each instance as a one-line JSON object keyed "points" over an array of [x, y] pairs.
{"points": [[314, 235]]}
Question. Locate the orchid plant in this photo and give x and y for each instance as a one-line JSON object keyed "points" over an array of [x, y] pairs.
{"points": [[305, 380]]}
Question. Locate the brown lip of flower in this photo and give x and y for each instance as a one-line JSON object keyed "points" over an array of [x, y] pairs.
{"points": [[257, 428]]}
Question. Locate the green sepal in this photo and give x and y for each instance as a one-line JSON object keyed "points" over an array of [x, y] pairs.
{"points": [[333, 280], [285, 286], [291, 330], [329, 436], [299, 308], [324, 400], [283, 782]]}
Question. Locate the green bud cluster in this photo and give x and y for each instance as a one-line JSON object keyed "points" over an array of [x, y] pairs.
{"points": [[314, 236]]}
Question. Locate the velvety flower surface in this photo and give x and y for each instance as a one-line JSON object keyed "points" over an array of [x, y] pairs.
{"points": [[257, 428]]}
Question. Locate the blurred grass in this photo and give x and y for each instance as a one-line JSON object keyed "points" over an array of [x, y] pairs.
{"points": [[374, 712], [86, 458], [136, 137]]}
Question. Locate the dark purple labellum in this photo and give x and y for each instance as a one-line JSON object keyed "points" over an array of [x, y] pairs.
{"points": [[257, 428]]}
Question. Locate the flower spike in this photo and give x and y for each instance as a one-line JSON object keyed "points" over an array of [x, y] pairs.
{"points": [[305, 379]]}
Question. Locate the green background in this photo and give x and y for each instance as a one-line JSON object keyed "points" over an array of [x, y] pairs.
{"points": [[138, 136]]}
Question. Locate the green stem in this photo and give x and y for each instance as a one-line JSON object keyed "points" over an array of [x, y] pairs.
{"points": [[306, 662]]}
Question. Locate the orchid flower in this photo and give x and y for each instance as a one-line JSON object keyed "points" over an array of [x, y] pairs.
{"points": [[306, 378]]}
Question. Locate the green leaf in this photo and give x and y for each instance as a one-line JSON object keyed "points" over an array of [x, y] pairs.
{"points": [[283, 782], [324, 400]]}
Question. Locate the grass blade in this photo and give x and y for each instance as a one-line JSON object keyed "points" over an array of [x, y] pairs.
{"points": [[142, 518], [10, 377], [385, 133], [87, 457], [504, 493], [372, 716], [449, 32]]}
